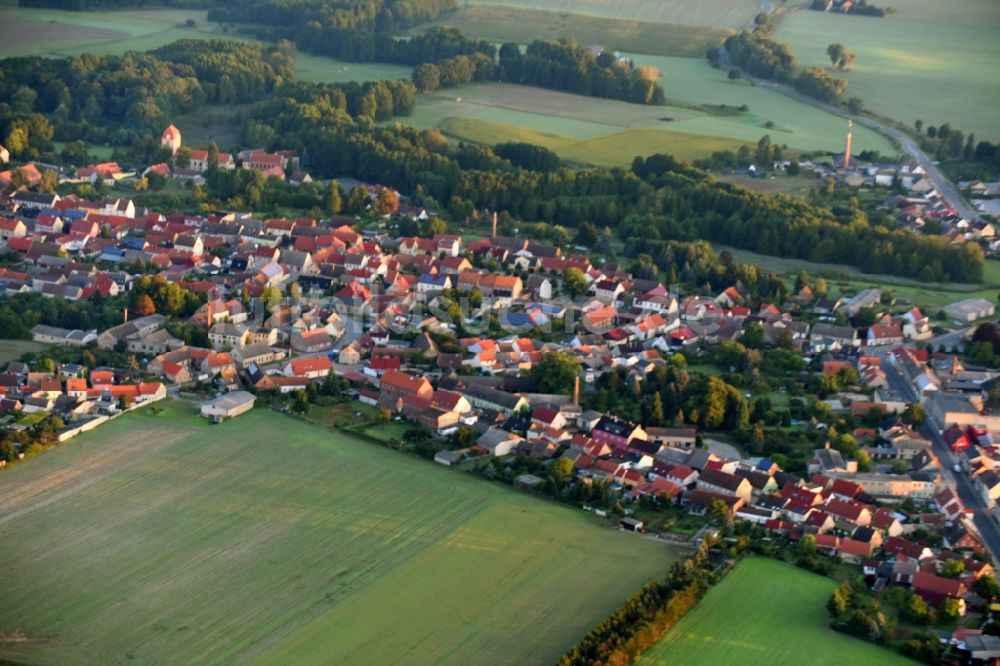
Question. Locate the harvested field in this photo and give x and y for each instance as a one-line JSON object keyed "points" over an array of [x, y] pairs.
{"points": [[269, 540]]}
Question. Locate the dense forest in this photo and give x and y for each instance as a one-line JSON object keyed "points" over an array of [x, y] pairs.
{"points": [[354, 30], [118, 99], [767, 59], [565, 65], [658, 199], [362, 31], [82, 5]]}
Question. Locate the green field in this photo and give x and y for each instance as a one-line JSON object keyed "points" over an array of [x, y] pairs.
{"points": [[53, 32], [12, 350], [767, 613], [690, 83], [160, 538], [929, 60], [549, 112], [723, 13], [845, 280], [503, 24], [609, 150]]}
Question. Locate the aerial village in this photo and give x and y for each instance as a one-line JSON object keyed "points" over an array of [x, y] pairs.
{"points": [[289, 304]]}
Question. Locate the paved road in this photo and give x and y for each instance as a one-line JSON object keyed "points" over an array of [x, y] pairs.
{"points": [[983, 519], [906, 143]]}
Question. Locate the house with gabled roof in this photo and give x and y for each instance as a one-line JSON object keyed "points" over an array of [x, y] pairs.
{"points": [[719, 482]]}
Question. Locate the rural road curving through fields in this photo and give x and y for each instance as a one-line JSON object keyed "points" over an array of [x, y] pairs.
{"points": [[906, 143]]}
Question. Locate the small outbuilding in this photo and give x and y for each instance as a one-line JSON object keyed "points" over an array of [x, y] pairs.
{"points": [[631, 524], [528, 482], [228, 405], [449, 458]]}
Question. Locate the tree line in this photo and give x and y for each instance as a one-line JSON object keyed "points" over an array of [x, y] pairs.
{"points": [[767, 59], [963, 156], [649, 614], [563, 64], [659, 198], [361, 32], [120, 99], [82, 5]]}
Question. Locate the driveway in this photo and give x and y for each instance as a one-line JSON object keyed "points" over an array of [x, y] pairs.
{"points": [[722, 449]]}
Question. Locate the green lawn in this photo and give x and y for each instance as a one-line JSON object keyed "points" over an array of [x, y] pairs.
{"points": [[929, 60], [765, 612], [523, 25], [267, 540]]}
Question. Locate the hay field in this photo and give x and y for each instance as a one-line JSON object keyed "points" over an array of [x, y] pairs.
{"points": [[517, 24], [763, 613], [930, 60], [800, 126], [162, 539], [719, 13], [608, 150]]}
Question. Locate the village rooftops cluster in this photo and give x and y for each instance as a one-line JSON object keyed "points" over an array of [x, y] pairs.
{"points": [[82, 398]]}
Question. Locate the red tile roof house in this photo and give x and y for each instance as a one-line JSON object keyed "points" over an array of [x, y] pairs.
{"points": [[548, 417], [681, 475], [852, 550], [659, 489], [935, 589], [714, 481], [851, 512], [827, 543], [311, 367], [396, 384], [901, 547], [377, 365]]}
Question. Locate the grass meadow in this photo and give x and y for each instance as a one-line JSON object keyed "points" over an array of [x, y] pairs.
{"points": [[765, 613], [722, 13], [12, 350], [608, 150], [58, 33], [929, 60], [688, 126], [563, 115], [267, 540], [516, 23], [846, 280]]}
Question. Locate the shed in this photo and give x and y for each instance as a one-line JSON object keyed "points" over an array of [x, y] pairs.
{"points": [[527, 482], [631, 524], [228, 405], [449, 458]]}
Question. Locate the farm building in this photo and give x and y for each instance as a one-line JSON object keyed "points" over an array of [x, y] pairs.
{"points": [[970, 309], [228, 405]]}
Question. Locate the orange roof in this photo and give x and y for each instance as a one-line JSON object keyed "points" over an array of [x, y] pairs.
{"points": [[301, 366], [76, 384], [403, 381], [220, 359]]}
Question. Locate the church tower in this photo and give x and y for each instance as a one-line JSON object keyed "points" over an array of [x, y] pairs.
{"points": [[171, 138]]}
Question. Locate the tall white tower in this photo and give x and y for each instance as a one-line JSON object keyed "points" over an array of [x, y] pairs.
{"points": [[847, 145]]}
